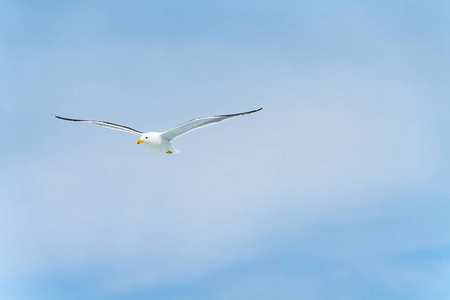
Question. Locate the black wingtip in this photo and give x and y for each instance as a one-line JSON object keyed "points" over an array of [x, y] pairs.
{"points": [[67, 119], [58, 117], [242, 113], [253, 111]]}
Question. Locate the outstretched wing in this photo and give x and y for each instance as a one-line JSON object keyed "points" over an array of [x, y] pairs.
{"points": [[198, 123], [105, 124]]}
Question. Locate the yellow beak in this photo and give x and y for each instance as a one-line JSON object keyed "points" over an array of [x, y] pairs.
{"points": [[139, 141]]}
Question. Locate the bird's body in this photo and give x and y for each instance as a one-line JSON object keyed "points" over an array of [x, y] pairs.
{"points": [[155, 142], [162, 141]]}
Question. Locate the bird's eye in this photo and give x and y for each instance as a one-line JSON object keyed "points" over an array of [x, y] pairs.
{"points": [[146, 137]]}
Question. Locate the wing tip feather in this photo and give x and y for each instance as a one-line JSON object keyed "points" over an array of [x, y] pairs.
{"points": [[242, 113]]}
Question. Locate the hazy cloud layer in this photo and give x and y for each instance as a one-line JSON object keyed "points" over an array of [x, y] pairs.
{"points": [[335, 190]]}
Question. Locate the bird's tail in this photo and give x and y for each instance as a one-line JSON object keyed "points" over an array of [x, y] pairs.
{"points": [[173, 150]]}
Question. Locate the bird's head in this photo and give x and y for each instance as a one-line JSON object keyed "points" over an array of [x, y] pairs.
{"points": [[142, 139]]}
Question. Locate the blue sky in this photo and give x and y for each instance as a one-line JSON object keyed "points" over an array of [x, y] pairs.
{"points": [[337, 189]]}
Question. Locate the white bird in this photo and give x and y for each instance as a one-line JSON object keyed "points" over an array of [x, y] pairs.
{"points": [[162, 141]]}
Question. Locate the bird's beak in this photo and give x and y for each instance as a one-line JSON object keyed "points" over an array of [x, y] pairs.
{"points": [[139, 141]]}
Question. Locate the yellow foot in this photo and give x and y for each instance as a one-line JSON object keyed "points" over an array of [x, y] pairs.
{"points": [[169, 152]]}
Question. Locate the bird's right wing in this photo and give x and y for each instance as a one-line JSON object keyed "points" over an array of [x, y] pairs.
{"points": [[198, 123], [105, 124]]}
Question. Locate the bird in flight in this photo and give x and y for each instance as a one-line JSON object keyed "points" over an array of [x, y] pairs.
{"points": [[162, 141]]}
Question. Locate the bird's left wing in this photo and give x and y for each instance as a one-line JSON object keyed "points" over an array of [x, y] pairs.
{"points": [[104, 124], [198, 123]]}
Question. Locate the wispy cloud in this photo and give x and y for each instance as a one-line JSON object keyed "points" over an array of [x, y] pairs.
{"points": [[324, 193]]}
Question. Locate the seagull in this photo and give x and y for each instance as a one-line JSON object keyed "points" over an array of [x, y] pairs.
{"points": [[162, 141]]}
